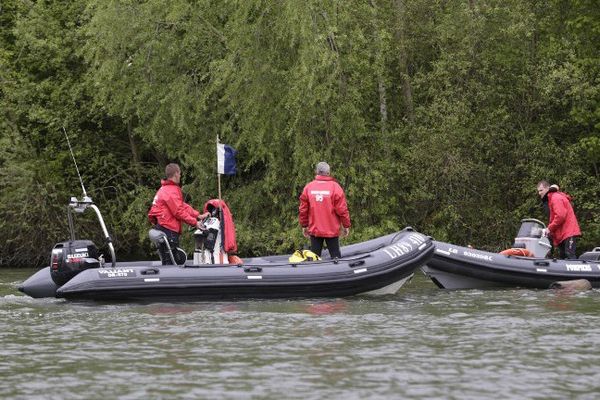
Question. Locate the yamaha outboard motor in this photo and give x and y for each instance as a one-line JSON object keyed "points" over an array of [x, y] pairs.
{"points": [[70, 258]]}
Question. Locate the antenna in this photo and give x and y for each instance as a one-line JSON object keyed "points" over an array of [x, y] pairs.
{"points": [[74, 161]]}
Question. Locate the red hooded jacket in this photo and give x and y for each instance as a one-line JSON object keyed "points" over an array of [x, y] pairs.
{"points": [[168, 208], [563, 223], [323, 207]]}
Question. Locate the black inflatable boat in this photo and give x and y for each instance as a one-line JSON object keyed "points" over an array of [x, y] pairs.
{"points": [[378, 266], [457, 267]]}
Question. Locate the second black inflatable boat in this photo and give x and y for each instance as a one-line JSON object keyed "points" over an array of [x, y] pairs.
{"points": [[458, 267]]}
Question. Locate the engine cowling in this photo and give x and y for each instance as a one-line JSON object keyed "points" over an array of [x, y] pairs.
{"points": [[70, 258]]}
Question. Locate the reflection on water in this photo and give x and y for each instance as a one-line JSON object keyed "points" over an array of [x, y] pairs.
{"points": [[327, 307], [423, 343]]}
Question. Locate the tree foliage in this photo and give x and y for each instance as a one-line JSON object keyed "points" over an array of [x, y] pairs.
{"points": [[439, 115]]}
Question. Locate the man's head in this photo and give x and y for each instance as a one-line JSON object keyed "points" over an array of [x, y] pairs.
{"points": [[173, 172], [323, 169], [542, 188]]}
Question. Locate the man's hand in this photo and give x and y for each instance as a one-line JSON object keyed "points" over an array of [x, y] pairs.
{"points": [[305, 231], [345, 232], [201, 218], [545, 232]]}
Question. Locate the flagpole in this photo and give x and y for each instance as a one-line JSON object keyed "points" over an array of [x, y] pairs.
{"points": [[221, 222], [218, 174]]}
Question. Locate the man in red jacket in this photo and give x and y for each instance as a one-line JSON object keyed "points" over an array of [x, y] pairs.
{"points": [[169, 210], [562, 226], [323, 211]]}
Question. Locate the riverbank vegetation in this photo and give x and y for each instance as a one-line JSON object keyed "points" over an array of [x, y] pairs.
{"points": [[441, 115]]}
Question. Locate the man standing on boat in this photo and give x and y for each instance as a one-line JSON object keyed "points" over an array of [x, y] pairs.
{"points": [[563, 227], [323, 211], [168, 209]]}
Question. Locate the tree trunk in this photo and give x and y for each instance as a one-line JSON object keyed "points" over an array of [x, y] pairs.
{"points": [[134, 152], [383, 105], [403, 61], [379, 57]]}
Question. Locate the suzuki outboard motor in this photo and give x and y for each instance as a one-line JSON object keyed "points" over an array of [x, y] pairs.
{"points": [[70, 258]]}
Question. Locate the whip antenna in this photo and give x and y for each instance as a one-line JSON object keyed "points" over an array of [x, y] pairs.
{"points": [[74, 161]]}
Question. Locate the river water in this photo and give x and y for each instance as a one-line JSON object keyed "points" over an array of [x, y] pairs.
{"points": [[422, 343]]}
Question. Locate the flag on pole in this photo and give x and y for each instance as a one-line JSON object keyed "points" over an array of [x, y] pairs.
{"points": [[226, 159]]}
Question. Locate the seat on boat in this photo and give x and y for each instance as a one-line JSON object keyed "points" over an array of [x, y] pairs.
{"points": [[167, 255]]}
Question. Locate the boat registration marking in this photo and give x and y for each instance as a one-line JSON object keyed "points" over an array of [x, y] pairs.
{"points": [[115, 272], [254, 276], [358, 271], [541, 270], [81, 250], [442, 251], [479, 256], [151, 279]]}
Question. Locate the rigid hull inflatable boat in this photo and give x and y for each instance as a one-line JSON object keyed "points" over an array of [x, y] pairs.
{"points": [[457, 267], [381, 266], [378, 266]]}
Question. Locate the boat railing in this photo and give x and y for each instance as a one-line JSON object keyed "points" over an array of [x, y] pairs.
{"points": [[79, 206]]}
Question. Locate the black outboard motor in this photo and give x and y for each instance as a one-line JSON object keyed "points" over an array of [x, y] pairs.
{"points": [[70, 258]]}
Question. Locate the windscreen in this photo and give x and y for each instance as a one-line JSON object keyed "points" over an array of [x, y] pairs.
{"points": [[531, 229]]}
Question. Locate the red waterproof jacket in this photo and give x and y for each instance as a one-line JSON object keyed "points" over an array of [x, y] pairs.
{"points": [[323, 207], [168, 208], [563, 223]]}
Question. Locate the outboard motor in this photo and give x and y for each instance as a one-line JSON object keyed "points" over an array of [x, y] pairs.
{"points": [[70, 258], [530, 237]]}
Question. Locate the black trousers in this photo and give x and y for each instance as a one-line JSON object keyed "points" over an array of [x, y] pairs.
{"points": [[566, 249], [333, 245], [173, 239]]}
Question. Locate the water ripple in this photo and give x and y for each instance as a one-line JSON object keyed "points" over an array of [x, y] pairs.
{"points": [[423, 343]]}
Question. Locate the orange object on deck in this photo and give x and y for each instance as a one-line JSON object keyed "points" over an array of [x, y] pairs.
{"points": [[517, 252], [235, 260]]}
